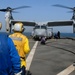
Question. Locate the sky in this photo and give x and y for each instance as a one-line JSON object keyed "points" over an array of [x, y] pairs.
{"points": [[40, 11]]}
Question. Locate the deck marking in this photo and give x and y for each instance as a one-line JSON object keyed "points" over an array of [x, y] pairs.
{"points": [[67, 71], [30, 56]]}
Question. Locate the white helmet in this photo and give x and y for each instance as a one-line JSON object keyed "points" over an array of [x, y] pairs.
{"points": [[18, 27]]}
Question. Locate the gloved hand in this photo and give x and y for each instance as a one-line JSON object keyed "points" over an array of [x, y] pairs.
{"points": [[19, 73]]}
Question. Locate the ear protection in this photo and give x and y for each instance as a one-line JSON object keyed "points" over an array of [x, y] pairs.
{"points": [[18, 27]]}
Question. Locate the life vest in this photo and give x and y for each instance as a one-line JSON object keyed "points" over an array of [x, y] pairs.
{"points": [[22, 46], [5, 61]]}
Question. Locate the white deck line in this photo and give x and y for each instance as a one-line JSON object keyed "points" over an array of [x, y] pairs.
{"points": [[30, 56], [67, 71]]}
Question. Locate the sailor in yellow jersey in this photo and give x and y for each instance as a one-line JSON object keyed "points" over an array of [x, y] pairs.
{"points": [[21, 42]]}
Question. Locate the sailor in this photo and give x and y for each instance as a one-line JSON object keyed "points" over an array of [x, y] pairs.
{"points": [[9, 58], [43, 40], [22, 44], [58, 34]]}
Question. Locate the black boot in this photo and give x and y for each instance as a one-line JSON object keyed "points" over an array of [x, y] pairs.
{"points": [[28, 73]]}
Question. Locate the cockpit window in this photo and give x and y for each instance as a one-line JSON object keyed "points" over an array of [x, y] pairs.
{"points": [[37, 27], [43, 27]]}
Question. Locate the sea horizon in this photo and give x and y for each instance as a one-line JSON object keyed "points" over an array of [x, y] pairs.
{"points": [[64, 35]]}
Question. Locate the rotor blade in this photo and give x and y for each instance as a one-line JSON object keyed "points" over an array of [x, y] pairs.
{"points": [[3, 10], [70, 11], [58, 5], [15, 12], [21, 7]]}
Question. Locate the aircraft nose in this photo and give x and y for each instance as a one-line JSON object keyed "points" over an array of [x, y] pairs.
{"points": [[40, 33]]}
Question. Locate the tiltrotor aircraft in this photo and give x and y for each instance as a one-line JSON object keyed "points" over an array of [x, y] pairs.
{"points": [[39, 30], [9, 17]]}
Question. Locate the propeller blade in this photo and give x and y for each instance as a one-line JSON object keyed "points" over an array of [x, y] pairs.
{"points": [[3, 10], [21, 7], [70, 11], [57, 5], [15, 12]]}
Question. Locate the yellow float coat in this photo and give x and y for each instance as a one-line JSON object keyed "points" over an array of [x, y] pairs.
{"points": [[22, 45]]}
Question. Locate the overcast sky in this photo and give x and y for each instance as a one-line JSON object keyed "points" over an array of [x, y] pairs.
{"points": [[40, 11]]}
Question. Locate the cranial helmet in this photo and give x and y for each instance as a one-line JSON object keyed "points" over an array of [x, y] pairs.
{"points": [[18, 27]]}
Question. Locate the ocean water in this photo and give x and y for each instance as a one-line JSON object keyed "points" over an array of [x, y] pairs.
{"points": [[70, 35]]}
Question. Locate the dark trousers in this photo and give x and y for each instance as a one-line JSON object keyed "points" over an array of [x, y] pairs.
{"points": [[23, 70]]}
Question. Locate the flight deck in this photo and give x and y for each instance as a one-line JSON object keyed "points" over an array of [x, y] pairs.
{"points": [[57, 57]]}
